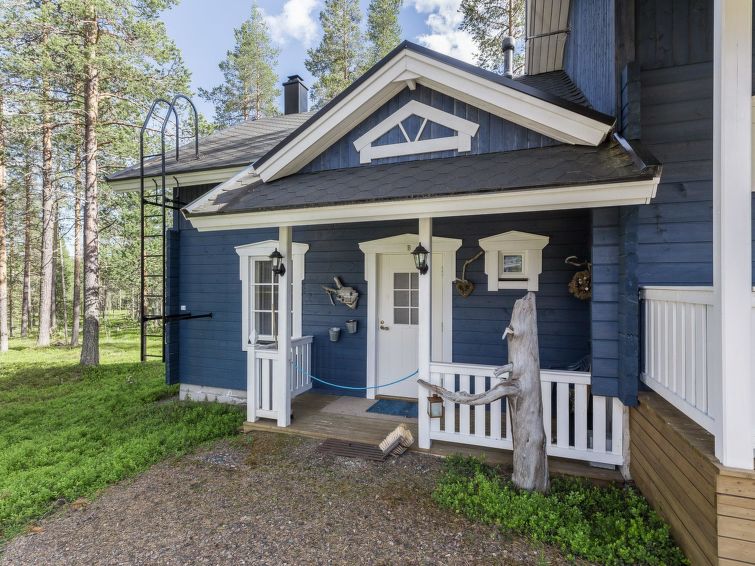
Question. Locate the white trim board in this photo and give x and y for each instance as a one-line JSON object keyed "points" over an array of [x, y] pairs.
{"points": [[404, 244], [461, 142], [556, 198], [202, 177], [262, 250], [408, 68]]}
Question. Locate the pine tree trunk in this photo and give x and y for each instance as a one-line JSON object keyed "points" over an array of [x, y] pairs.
{"points": [[90, 349], [527, 431], [77, 252], [3, 249], [48, 228], [55, 267], [26, 293]]}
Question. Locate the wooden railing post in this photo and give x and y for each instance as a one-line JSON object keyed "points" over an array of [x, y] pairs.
{"points": [[425, 331], [282, 371]]}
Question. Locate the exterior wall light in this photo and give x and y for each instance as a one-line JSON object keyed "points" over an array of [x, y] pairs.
{"points": [[278, 267], [420, 258], [435, 407]]}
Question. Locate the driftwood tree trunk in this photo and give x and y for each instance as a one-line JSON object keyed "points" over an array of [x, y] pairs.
{"points": [[522, 387]]}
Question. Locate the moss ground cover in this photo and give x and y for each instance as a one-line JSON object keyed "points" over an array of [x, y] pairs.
{"points": [[606, 525], [67, 432]]}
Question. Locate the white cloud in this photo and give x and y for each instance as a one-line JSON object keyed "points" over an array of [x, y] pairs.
{"points": [[443, 20], [295, 21]]}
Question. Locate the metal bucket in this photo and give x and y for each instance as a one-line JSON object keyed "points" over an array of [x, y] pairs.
{"points": [[335, 334], [351, 326]]}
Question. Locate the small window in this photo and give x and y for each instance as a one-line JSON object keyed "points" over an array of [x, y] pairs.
{"points": [[513, 260], [406, 298], [263, 302], [512, 264]]}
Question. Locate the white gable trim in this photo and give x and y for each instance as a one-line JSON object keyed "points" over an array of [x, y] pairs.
{"points": [[461, 142], [526, 110], [556, 198], [529, 246]]}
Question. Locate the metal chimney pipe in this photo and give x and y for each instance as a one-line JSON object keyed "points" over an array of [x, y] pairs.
{"points": [[508, 56]]}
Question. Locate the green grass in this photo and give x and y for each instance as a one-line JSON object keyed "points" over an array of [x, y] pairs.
{"points": [[606, 525], [67, 432]]}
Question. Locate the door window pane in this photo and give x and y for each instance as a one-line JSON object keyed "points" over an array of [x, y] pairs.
{"points": [[263, 298], [405, 298]]}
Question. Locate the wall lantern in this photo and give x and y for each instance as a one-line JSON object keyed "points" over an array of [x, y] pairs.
{"points": [[420, 258], [278, 267], [435, 407]]}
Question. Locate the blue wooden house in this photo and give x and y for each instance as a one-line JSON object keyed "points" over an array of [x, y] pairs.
{"points": [[613, 179]]}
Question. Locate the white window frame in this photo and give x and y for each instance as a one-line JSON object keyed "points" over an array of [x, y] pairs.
{"points": [[259, 251], [529, 246]]}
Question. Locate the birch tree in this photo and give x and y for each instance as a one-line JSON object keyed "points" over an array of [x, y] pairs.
{"points": [[250, 88]]}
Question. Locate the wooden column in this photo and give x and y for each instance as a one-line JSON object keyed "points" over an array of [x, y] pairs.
{"points": [[732, 260], [425, 330], [283, 363]]}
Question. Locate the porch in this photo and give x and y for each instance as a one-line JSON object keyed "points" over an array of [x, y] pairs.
{"points": [[313, 419]]}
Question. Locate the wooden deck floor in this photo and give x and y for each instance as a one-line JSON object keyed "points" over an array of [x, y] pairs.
{"points": [[311, 421]]}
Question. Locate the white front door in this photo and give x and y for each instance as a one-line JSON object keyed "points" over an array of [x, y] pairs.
{"points": [[397, 321]]}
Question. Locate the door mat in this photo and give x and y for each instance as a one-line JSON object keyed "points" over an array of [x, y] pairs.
{"points": [[395, 407], [352, 449]]}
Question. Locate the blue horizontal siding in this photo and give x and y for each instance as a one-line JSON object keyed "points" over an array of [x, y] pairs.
{"points": [[210, 349]]}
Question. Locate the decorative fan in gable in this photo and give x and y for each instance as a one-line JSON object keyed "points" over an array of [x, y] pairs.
{"points": [[410, 126]]}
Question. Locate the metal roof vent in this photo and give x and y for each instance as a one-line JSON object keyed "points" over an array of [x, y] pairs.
{"points": [[508, 56], [294, 95]]}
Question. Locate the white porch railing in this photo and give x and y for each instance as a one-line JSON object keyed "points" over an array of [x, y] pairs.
{"points": [[261, 391], [677, 322], [578, 425]]}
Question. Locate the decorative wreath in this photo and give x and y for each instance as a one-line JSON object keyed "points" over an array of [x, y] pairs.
{"points": [[581, 284]]}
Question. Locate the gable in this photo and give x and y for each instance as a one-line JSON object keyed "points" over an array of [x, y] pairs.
{"points": [[482, 133], [410, 65]]}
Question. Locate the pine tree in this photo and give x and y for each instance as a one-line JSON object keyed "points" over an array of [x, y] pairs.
{"points": [[250, 88], [4, 310], [383, 28], [339, 58], [489, 21]]}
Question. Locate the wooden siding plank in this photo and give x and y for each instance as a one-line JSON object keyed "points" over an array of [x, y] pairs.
{"points": [[736, 528], [696, 548], [735, 549]]}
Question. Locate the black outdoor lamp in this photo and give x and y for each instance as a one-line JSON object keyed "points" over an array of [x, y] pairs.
{"points": [[278, 267], [420, 258]]}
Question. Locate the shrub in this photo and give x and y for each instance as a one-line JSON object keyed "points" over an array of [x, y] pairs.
{"points": [[608, 525]]}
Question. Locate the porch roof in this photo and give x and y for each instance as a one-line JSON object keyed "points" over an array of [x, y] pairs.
{"points": [[560, 166]]}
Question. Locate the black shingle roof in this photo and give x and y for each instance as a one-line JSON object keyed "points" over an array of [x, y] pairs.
{"points": [[560, 165], [234, 146]]}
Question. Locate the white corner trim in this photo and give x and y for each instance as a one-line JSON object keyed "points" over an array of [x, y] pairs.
{"points": [[555, 198], [526, 110], [514, 242], [191, 392], [461, 142], [204, 177], [404, 244], [262, 250]]}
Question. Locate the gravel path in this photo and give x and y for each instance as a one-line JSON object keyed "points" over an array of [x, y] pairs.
{"points": [[270, 499]]}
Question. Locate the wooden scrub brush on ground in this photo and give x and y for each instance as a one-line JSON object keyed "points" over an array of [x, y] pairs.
{"points": [[398, 441]]}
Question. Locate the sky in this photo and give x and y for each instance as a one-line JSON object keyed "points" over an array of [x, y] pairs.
{"points": [[203, 30]]}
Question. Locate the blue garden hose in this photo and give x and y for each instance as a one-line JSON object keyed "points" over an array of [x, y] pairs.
{"points": [[415, 372]]}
